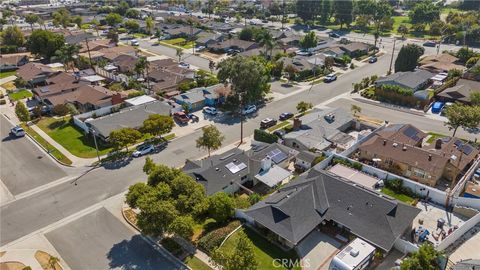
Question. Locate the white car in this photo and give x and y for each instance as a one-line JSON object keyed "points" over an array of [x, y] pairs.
{"points": [[330, 77], [17, 131], [135, 42], [249, 109], [199, 48], [210, 110], [303, 53], [143, 150], [184, 65]]}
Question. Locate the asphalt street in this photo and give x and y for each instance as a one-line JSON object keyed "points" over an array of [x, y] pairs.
{"points": [[100, 241], [23, 165]]}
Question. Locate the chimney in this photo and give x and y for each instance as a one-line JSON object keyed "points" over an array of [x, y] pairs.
{"points": [[384, 142], [438, 144], [297, 123], [404, 148], [429, 157]]}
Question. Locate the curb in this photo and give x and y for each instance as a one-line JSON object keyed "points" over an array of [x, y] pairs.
{"points": [[48, 152]]}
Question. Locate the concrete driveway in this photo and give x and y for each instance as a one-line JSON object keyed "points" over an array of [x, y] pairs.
{"points": [[23, 165], [317, 250], [100, 241]]}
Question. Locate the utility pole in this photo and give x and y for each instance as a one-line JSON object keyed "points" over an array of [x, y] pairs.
{"points": [[283, 14], [95, 141], [241, 119], [455, 176], [89, 55], [393, 53]]}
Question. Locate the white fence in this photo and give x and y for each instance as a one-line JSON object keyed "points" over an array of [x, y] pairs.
{"points": [[458, 233], [405, 246], [355, 146], [118, 78], [79, 121]]}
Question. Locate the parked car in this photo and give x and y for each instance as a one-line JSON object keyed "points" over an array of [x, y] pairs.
{"points": [[372, 59], [280, 133], [330, 77], [17, 131], [303, 53], [199, 48], [285, 116], [143, 149], [232, 52], [193, 117], [333, 35], [268, 122], [134, 42], [430, 44], [181, 117], [249, 109], [437, 107], [210, 110], [184, 65]]}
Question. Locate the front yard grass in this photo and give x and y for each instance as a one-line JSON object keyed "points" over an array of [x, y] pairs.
{"points": [[71, 137], [401, 197], [196, 264], [434, 136], [265, 252], [278, 126], [5, 74], [22, 94], [53, 151]]}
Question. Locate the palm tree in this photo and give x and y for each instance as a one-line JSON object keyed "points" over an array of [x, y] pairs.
{"points": [[179, 54], [67, 53], [52, 262], [266, 40], [141, 67], [149, 24], [31, 19], [96, 24]]}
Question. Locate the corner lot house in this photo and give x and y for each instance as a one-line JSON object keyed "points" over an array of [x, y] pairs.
{"points": [[323, 199], [414, 80], [200, 97], [461, 92], [440, 63]]}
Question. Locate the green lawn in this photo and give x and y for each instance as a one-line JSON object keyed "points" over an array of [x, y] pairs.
{"points": [[5, 74], [196, 264], [265, 252], [401, 197], [174, 41], [434, 136], [140, 35], [278, 126], [24, 93], [71, 137], [53, 151]]}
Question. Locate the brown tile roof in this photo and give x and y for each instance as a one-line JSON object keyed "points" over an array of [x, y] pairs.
{"points": [[355, 46], [442, 62], [403, 133], [13, 58], [96, 45], [125, 62], [461, 91], [32, 70], [96, 95], [113, 52]]}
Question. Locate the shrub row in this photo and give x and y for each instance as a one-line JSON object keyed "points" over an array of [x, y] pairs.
{"points": [[263, 136], [213, 239], [396, 185]]}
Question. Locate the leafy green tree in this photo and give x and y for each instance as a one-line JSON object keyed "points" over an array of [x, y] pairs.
{"points": [[246, 34], [179, 54], [149, 24], [77, 20], [132, 25], [403, 29], [408, 56], [355, 109], [342, 11], [113, 36], [162, 174], [310, 40], [426, 258], [475, 98], [13, 36], [424, 12], [22, 112], [113, 19], [60, 110], [132, 13], [149, 166], [303, 106], [67, 54], [459, 115], [211, 139], [124, 137], [135, 192], [464, 54], [266, 41], [122, 8], [221, 206], [45, 43], [308, 10], [182, 226], [157, 124], [31, 19], [249, 78], [156, 217], [242, 257], [62, 17]]}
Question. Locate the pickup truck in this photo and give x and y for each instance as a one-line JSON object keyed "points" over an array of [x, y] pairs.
{"points": [[181, 117]]}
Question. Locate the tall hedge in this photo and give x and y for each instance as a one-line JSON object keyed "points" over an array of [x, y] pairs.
{"points": [[263, 136]]}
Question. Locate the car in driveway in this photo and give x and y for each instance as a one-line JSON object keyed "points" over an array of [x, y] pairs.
{"points": [[181, 117], [268, 122], [330, 78], [430, 44], [143, 149], [193, 117], [280, 133], [232, 52], [249, 109], [285, 116], [134, 42], [210, 110], [372, 59], [184, 65], [303, 53], [333, 35], [199, 48], [17, 131]]}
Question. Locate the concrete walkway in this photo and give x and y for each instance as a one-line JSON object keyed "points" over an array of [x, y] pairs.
{"points": [[25, 256], [7, 79]]}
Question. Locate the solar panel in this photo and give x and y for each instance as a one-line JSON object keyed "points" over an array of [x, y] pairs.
{"points": [[410, 132], [279, 157], [467, 149], [458, 143], [274, 152]]}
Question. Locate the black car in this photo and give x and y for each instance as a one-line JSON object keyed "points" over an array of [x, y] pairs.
{"points": [[285, 116], [429, 44], [268, 122], [372, 59], [280, 133]]}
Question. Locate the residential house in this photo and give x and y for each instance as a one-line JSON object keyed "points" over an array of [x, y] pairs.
{"points": [[427, 164], [125, 63], [13, 61], [111, 53], [403, 134], [237, 44], [35, 73], [181, 32], [302, 64], [78, 37], [290, 41], [219, 26], [461, 92], [314, 130], [473, 73], [132, 117], [200, 97], [95, 45], [306, 160], [238, 169], [356, 49], [440, 63], [335, 52], [413, 80], [209, 39], [324, 199]]}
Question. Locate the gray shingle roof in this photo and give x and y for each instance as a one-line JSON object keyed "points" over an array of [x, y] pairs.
{"points": [[408, 79], [296, 209]]}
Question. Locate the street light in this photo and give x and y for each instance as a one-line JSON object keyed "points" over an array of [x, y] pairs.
{"points": [[94, 133]]}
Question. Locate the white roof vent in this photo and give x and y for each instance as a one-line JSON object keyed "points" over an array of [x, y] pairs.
{"points": [[354, 252]]}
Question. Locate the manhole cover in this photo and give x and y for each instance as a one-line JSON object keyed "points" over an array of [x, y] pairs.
{"points": [[39, 157]]}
